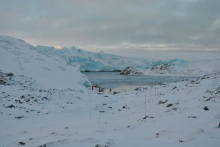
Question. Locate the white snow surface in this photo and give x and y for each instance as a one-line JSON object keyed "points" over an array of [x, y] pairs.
{"points": [[66, 118], [20, 58], [33, 115]]}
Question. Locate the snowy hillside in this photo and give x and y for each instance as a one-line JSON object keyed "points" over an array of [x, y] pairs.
{"points": [[176, 114], [44, 104], [91, 61], [47, 71]]}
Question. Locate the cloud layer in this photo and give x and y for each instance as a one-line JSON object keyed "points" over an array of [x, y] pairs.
{"points": [[114, 24]]}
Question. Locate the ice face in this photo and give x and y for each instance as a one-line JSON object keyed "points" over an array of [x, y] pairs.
{"points": [[90, 61]]}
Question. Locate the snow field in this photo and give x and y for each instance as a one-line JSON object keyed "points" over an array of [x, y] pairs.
{"points": [[62, 117]]}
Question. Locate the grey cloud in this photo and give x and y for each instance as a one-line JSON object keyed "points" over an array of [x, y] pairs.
{"points": [[179, 24]]}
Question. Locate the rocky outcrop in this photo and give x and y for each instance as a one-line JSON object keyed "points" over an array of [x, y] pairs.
{"points": [[131, 71], [162, 69]]}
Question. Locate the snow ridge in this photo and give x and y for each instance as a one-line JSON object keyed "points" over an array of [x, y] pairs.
{"points": [[20, 58]]}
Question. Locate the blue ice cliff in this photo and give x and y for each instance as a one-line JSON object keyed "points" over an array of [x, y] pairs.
{"points": [[91, 61]]}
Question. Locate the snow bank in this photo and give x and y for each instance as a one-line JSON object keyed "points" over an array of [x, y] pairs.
{"points": [[20, 58], [68, 118]]}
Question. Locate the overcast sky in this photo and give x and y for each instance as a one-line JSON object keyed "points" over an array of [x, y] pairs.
{"points": [[115, 25]]}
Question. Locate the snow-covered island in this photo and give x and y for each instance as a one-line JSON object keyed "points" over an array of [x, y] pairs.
{"points": [[165, 69], [44, 103], [161, 69]]}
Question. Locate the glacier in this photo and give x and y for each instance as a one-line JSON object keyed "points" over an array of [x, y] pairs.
{"points": [[91, 61]]}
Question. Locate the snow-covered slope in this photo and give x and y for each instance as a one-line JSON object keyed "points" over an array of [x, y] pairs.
{"points": [[91, 61], [179, 114], [47, 71], [184, 113]]}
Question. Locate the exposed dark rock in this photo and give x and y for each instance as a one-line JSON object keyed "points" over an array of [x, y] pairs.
{"points": [[2, 82], [43, 145], [206, 108], [19, 117], [130, 70], [45, 98], [10, 74], [10, 106], [169, 105], [161, 102], [145, 117], [21, 143], [174, 87], [22, 97], [114, 92], [162, 68], [191, 116]]}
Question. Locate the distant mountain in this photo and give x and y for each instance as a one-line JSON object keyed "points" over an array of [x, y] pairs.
{"points": [[47, 71], [90, 61]]}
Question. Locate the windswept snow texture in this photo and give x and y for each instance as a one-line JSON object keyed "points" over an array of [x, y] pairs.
{"points": [[47, 71], [104, 62]]}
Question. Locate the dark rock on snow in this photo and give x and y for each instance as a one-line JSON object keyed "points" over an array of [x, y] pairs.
{"points": [[169, 105], [21, 143], [206, 108]]}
